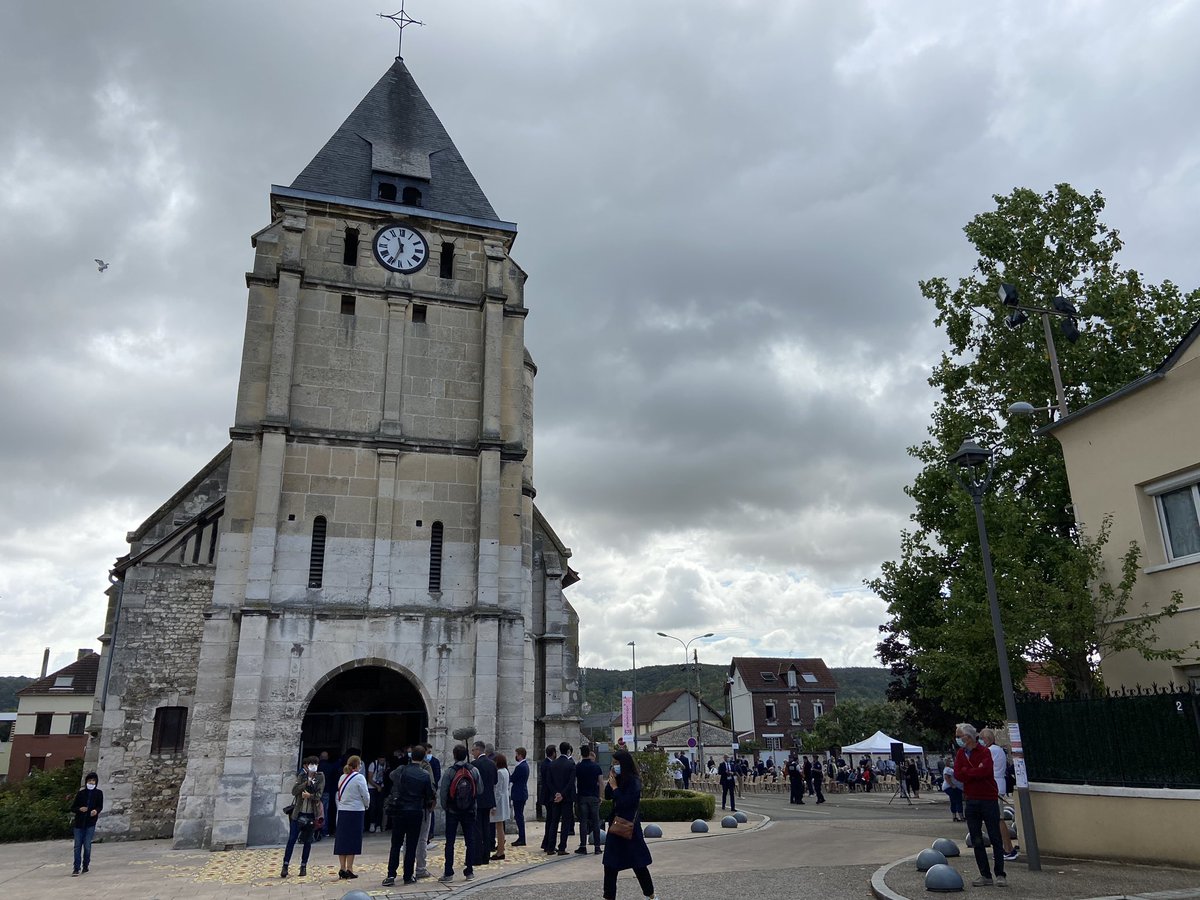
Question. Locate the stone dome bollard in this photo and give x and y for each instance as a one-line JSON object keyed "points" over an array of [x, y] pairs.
{"points": [[603, 836], [928, 858], [652, 831], [1012, 830], [970, 843], [729, 822], [943, 878], [946, 847], [741, 817], [699, 827], [356, 895], [1008, 813]]}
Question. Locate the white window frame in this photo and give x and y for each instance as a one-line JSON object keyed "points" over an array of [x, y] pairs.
{"points": [[818, 709], [771, 711], [794, 708], [791, 678], [1156, 490]]}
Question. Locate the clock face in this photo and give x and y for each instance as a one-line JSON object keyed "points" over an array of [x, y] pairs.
{"points": [[400, 248]]}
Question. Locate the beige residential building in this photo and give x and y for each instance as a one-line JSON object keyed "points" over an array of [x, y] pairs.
{"points": [[1135, 456]]}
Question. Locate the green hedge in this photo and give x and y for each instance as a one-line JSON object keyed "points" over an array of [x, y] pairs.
{"points": [[38, 808], [673, 806]]}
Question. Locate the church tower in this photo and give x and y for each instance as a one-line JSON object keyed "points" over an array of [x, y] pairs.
{"points": [[382, 575]]}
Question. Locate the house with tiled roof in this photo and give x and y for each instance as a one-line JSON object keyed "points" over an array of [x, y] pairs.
{"points": [[52, 718], [772, 699], [662, 714]]}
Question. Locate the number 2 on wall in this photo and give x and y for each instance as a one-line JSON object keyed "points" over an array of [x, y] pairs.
{"points": [[1179, 706]]}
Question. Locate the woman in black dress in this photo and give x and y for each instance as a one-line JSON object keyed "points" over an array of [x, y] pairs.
{"points": [[624, 789]]}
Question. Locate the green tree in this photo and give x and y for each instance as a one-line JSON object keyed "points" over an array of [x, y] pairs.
{"points": [[939, 632]]}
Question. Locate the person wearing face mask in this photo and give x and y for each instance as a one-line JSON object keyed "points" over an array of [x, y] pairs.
{"points": [[973, 768], [306, 795], [88, 803], [624, 789]]}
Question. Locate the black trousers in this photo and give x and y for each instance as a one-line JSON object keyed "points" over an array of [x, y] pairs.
{"points": [[643, 877], [980, 813], [470, 830], [558, 819], [729, 789], [817, 788], [797, 785], [406, 831], [487, 836]]}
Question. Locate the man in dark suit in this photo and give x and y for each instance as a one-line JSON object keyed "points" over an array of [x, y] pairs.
{"points": [[727, 773], [560, 799], [485, 804], [518, 794], [543, 787]]}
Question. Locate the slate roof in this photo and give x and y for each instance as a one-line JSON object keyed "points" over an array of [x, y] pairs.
{"points": [[752, 667], [394, 129], [82, 673]]}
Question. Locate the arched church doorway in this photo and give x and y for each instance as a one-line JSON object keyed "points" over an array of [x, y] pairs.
{"points": [[368, 710]]}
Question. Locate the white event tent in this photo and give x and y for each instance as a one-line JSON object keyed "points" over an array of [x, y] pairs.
{"points": [[880, 743]]}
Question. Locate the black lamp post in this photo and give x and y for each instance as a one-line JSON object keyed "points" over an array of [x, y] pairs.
{"points": [[699, 739], [973, 467]]}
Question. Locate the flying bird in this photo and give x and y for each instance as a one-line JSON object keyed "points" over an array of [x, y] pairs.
{"points": [[101, 264]]}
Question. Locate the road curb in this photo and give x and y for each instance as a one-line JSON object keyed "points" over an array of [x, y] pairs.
{"points": [[879, 885]]}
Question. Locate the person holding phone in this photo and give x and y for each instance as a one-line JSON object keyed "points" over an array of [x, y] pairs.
{"points": [[624, 789]]}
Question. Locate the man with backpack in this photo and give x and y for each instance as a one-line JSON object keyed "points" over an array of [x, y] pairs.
{"points": [[458, 794]]}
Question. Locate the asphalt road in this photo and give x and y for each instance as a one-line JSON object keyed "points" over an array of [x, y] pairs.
{"points": [[809, 851]]}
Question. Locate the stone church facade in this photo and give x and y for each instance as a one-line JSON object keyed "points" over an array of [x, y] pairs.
{"points": [[363, 566]]}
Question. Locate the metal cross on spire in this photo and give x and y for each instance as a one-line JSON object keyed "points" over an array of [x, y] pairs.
{"points": [[402, 20]]}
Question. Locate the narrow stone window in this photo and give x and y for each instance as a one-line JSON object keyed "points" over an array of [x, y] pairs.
{"points": [[170, 726], [410, 197], [435, 557], [347, 304], [350, 248], [387, 192], [418, 313], [447, 270], [316, 559]]}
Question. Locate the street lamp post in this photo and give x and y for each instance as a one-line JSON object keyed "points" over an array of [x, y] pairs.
{"points": [[633, 644], [973, 467], [699, 740]]}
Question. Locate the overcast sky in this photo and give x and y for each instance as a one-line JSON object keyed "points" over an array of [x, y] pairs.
{"points": [[724, 209]]}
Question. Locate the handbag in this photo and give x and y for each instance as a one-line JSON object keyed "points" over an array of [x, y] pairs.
{"points": [[306, 820], [287, 810], [622, 828]]}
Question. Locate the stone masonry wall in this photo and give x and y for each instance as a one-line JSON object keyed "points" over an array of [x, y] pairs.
{"points": [[159, 643]]}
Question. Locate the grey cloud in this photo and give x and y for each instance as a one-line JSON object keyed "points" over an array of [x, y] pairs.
{"points": [[724, 213]]}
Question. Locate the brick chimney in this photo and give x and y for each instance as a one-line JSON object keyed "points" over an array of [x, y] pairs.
{"points": [[83, 651], [45, 662]]}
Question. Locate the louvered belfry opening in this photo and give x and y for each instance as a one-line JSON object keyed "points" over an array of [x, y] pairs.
{"points": [[435, 557], [316, 559]]}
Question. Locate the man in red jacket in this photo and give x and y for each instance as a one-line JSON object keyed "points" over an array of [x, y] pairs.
{"points": [[973, 767]]}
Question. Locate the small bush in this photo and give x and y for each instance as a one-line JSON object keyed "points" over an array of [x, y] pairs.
{"points": [[652, 767], [674, 806], [39, 808]]}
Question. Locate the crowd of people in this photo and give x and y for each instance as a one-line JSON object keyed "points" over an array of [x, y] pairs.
{"points": [[478, 793]]}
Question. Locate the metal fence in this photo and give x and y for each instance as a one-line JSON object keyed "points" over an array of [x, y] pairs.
{"points": [[1140, 737]]}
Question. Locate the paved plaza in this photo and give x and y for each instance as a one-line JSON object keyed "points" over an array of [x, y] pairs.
{"points": [[827, 852]]}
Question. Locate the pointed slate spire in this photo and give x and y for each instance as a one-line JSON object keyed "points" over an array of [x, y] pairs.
{"points": [[395, 132]]}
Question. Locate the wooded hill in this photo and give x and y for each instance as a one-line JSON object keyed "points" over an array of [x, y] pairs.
{"points": [[9, 685], [602, 687]]}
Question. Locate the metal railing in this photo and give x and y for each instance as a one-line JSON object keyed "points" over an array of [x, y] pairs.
{"points": [[1127, 737]]}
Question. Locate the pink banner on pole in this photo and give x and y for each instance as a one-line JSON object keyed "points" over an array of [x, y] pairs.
{"points": [[627, 714]]}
